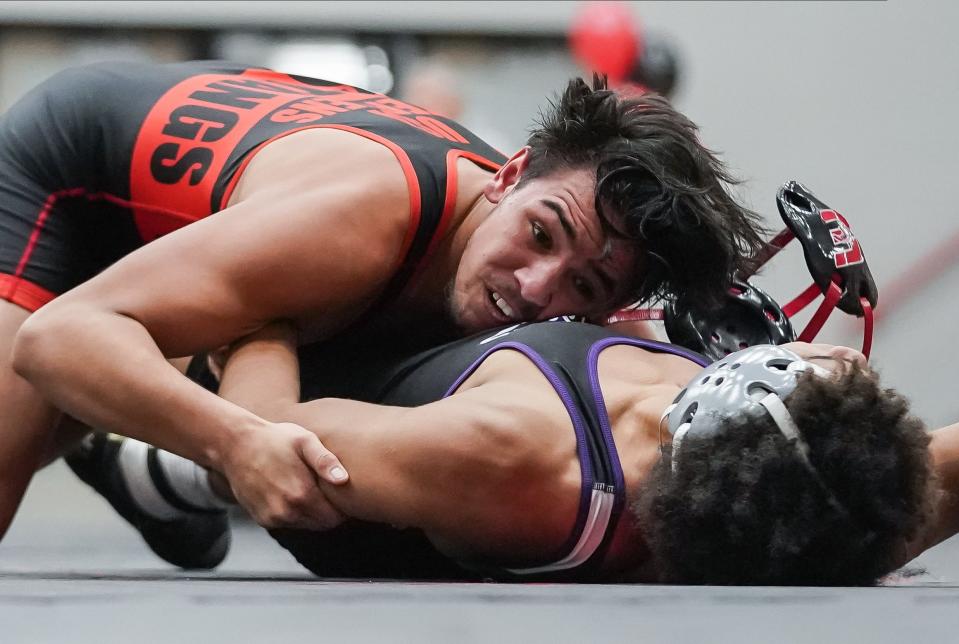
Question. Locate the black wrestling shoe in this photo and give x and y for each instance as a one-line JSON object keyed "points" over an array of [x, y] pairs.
{"points": [[198, 541]]}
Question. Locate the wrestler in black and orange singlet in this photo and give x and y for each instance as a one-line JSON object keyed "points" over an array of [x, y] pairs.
{"points": [[99, 160]]}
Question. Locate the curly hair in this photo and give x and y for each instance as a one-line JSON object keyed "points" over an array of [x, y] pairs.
{"points": [[655, 185], [741, 508]]}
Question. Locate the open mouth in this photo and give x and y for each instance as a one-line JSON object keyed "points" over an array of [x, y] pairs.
{"points": [[502, 306]]}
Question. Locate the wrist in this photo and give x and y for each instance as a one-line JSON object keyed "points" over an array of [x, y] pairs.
{"points": [[231, 436]]}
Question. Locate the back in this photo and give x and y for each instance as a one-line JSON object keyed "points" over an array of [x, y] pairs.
{"points": [[101, 159], [168, 143]]}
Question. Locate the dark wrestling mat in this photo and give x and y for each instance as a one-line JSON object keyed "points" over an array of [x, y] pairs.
{"points": [[70, 572]]}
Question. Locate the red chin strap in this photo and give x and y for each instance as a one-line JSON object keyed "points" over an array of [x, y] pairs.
{"points": [[831, 297], [826, 307], [636, 315]]}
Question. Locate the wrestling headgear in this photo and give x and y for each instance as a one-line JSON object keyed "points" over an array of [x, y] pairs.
{"points": [[834, 258], [755, 378], [749, 316]]}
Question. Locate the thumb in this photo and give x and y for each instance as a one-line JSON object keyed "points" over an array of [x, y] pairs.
{"points": [[323, 462]]}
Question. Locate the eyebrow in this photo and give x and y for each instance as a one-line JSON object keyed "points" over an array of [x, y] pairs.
{"points": [[563, 219], [609, 285]]}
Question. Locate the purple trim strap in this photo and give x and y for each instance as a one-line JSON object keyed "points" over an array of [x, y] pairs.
{"points": [[579, 426], [600, 404], [592, 360], [593, 366]]}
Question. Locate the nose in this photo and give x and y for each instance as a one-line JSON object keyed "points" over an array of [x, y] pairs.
{"points": [[539, 281]]}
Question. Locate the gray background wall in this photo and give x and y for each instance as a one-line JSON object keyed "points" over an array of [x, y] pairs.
{"points": [[857, 100]]}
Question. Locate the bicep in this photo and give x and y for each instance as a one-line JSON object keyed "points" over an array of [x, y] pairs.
{"points": [[319, 252], [433, 467], [944, 457]]}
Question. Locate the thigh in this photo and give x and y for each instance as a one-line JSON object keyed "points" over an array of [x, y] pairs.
{"points": [[53, 241], [57, 229], [26, 421], [369, 550], [41, 254]]}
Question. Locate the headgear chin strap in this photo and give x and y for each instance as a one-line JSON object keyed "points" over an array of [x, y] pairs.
{"points": [[749, 316]]}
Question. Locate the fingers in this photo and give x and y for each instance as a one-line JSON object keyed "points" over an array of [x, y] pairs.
{"points": [[300, 505], [277, 477], [316, 513], [322, 516], [322, 461]]}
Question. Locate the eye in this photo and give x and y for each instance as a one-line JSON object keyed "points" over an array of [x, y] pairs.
{"points": [[584, 288], [540, 236]]}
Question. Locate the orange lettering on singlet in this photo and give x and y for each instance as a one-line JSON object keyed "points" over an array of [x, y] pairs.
{"points": [[315, 108], [174, 169], [190, 133]]}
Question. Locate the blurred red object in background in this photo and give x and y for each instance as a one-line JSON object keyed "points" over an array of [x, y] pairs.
{"points": [[605, 38]]}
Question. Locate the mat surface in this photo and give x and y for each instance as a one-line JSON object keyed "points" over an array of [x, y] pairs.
{"points": [[71, 572]]}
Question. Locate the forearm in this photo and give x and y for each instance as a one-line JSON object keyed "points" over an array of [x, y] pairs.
{"points": [[109, 373], [262, 373], [355, 432], [944, 452]]}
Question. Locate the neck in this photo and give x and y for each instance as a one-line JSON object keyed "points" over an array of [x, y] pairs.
{"points": [[636, 427], [638, 386], [944, 455], [470, 209], [636, 432]]}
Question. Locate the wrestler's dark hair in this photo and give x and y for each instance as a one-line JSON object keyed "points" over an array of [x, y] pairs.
{"points": [[656, 184], [741, 508]]}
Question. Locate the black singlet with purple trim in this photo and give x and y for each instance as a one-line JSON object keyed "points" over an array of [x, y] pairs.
{"points": [[99, 160], [566, 353]]}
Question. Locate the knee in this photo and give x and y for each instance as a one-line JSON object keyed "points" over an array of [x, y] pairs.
{"points": [[27, 353]]}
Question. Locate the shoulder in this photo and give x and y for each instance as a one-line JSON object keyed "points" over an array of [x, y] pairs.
{"points": [[324, 159], [517, 412], [347, 189]]}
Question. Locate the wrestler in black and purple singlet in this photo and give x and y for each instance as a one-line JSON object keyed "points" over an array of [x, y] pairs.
{"points": [[566, 353]]}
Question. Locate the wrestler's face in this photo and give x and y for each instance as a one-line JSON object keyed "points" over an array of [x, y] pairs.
{"points": [[828, 356], [540, 253]]}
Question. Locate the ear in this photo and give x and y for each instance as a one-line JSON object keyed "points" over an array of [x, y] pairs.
{"points": [[506, 178]]}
